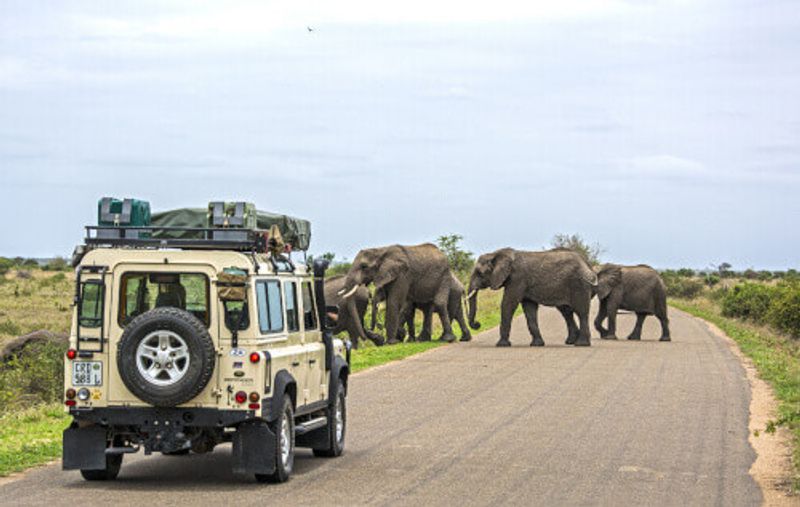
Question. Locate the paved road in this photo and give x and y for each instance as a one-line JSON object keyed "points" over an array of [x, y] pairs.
{"points": [[620, 423]]}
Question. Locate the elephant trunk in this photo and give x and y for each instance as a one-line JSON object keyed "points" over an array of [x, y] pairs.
{"points": [[472, 304]]}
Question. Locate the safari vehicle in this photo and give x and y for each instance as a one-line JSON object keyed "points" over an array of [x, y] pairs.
{"points": [[187, 336]]}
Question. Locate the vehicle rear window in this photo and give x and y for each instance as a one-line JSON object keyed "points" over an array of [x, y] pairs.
{"points": [[142, 291], [292, 313], [270, 306]]}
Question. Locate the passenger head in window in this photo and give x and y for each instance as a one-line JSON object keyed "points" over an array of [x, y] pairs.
{"points": [[171, 294]]}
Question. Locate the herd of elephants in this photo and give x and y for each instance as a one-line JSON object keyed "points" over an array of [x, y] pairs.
{"points": [[410, 278]]}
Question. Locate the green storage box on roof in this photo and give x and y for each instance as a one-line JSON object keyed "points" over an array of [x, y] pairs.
{"points": [[295, 231], [113, 212]]}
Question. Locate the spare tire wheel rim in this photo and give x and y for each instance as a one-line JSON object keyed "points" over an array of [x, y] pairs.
{"points": [[162, 358]]}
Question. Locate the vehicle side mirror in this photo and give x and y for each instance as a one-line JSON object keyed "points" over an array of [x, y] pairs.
{"points": [[331, 317]]}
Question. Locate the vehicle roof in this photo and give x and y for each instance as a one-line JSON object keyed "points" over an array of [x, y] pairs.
{"points": [[217, 259]]}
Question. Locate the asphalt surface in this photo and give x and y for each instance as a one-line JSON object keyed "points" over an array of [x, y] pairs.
{"points": [[619, 423]]}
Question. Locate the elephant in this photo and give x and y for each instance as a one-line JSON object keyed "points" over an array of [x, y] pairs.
{"points": [[635, 288], [351, 310], [558, 277], [455, 310], [407, 275]]}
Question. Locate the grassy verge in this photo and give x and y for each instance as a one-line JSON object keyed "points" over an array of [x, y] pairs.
{"points": [[31, 437], [776, 358]]}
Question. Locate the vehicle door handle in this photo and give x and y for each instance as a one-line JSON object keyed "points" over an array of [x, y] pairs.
{"points": [[312, 361], [295, 363]]}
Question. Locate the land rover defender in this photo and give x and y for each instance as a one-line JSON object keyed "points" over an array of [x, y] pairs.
{"points": [[193, 328]]}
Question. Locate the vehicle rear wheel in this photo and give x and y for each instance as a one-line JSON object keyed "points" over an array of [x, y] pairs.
{"points": [[165, 356], [337, 425], [283, 427], [109, 473]]}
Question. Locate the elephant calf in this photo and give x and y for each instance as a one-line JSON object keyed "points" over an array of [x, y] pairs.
{"points": [[635, 288], [351, 310]]}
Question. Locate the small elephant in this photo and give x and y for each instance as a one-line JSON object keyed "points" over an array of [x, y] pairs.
{"points": [[635, 288], [416, 274], [351, 310], [558, 277], [455, 310]]}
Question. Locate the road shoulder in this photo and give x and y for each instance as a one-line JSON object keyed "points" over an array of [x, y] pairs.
{"points": [[772, 469]]}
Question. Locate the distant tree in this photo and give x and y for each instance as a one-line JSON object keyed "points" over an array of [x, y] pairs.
{"points": [[29, 264], [711, 279], [764, 275], [724, 270], [685, 272], [5, 265], [460, 260], [750, 274], [590, 252], [56, 264]]}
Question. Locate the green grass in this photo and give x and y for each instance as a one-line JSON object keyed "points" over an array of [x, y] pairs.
{"points": [[369, 355], [777, 359], [31, 437]]}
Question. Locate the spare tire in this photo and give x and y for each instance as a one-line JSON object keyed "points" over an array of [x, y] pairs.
{"points": [[165, 357]]}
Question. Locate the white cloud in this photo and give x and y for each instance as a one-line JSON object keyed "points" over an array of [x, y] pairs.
{"points": [[662, 166]]}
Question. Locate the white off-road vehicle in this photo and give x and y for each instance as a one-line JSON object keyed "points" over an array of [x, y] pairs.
{"points": [[190, 335]]}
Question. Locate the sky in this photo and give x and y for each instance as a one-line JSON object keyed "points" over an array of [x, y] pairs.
{"points": [[666, 131]]}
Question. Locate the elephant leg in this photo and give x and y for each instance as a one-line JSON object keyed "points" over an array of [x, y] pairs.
{"points": [[508, 306], [531, 309], [601, 316], [665, 336], [612, 323], [440, 303], [427, 323], [572, 329], [394, 311], [372, 335], [636, 334], [584, 336], [462, 323]]}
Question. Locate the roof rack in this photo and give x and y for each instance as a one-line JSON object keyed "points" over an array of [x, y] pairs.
{"points": [[212, 238]]}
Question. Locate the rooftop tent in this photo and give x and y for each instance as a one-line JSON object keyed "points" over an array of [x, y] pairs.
{"points": [[295, 231]]}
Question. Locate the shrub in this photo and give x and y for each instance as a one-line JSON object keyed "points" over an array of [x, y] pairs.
{"points": [[53, 280], [682, 287], [711, 279], [5, 265], [56, 264], [748, 301], [34, 376], [688, 272], [784, 310]]}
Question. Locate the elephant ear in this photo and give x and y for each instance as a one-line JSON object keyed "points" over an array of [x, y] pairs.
{"points": [[501, 269], [388, 272], [608, 278]]}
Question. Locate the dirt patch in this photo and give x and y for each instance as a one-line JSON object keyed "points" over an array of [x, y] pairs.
{"points": [[772, 469]]}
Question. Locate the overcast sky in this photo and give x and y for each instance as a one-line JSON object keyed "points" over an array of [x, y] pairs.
{"points": [[667, 131]]}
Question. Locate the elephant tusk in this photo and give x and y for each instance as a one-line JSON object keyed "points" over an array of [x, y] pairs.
{"points": [[349, 293], [474, 291]]}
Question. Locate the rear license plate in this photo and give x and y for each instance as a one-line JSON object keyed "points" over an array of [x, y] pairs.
{"points": [[87, 373]]}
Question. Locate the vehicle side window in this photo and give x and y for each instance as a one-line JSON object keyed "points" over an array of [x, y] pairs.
{"points": [[292, 317], [309, 311], [270, 308]]}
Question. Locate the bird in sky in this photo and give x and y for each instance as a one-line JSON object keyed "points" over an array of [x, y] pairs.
{"points": [[309, 29]]}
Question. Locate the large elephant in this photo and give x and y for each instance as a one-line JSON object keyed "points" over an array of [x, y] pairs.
{"points": [[407, 274], [559, 277], [635, 288], [455, 310], [351, 310]]}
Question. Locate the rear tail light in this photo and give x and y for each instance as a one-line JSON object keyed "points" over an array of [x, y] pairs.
{"points": [[254, 406], [255, 357], [241, 397], [254, 397], [70, 394], [70, 403], [72, 354]]}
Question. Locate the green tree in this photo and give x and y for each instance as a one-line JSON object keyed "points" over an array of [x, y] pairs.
{"points": [[688, 272], [590, 252], [461, 261]]}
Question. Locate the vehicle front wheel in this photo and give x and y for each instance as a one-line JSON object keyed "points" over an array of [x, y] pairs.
{"points": [[283, 427], [337, 425]]}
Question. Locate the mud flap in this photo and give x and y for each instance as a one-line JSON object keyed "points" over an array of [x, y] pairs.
{"points": [[84, 448], [253, 449]]}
